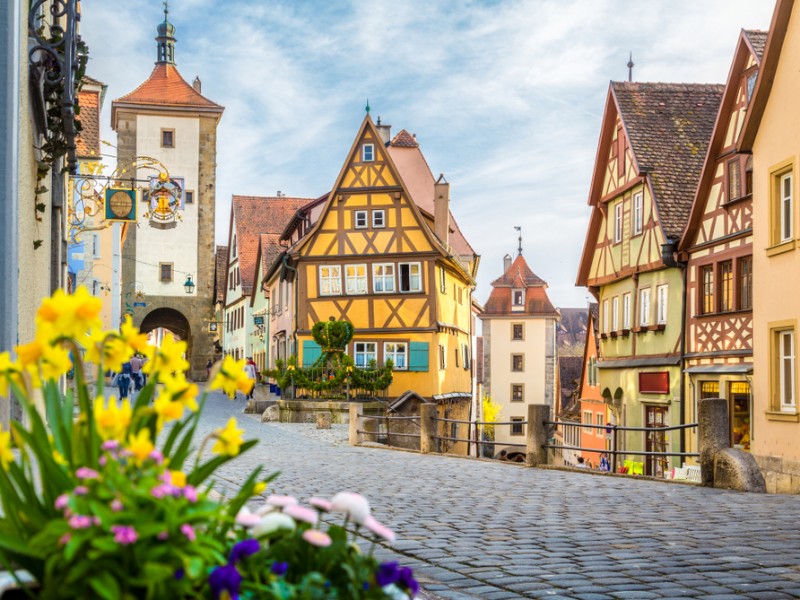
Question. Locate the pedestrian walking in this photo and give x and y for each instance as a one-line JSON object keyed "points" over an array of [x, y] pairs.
{"points": [[209, 364], [252, 373], [136, 372], [604, 464], [123, 380]]}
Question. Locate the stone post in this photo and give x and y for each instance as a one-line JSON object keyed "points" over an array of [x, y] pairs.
{"points": [[713, 434], [536, 435], [356, 416], [427, 428]]}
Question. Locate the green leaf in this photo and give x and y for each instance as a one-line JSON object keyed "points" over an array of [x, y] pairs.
{"points": [[204, 471], [105, 585]]}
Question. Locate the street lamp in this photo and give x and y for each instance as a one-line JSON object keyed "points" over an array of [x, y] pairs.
{"points": [[189, 285]]}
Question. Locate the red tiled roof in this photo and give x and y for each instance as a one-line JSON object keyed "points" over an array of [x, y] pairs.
{"points": [[758, 39], [256, 215], [165, 86], [519, 276], [221, 272], [270, 251], [88, 140], [403, 139]]}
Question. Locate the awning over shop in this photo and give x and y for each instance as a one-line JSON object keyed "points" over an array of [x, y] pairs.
{"points": [[625, 363], [721, 369]]}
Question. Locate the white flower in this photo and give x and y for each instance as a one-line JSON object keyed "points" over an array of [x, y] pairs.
{"points": [[246, 518], [354, 505], [272, 522], [394, 592]]}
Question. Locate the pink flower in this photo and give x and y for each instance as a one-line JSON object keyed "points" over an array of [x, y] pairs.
{"points": [[318, 538], [80, 522], [246, 518], [116, 505], [86, 473], [301, 513], [124, 534], [95, 521], [64, 539], [320, 504], [102, 460], [163, 535], [110, 445], [62, 501], [354, 505], [80, 490], [379, 529], [190, 493], [281, 501], [156, 456], [188, 531]]}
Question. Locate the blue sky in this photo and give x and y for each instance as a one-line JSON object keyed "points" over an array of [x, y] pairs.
{"points": [[505, 97]]}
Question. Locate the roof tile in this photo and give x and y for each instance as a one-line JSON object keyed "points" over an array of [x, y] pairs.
{"points": [[221, 271], [403, 139], [165, 86], [758, 39], [88, 140]]}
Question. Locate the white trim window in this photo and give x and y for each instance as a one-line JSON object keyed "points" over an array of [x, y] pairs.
{"points": [[605, 316], [410, 277], [638, 213], [644, 307], [397, 352], [365, 352], [383, 278], [518, 300], [368, 153], [786, 382], [330, 280], [378, 219], [599, 420], [618, 222], [360, 219], [786, 207], [355, 279], [661, 304], [615, 313], [626, 311]]}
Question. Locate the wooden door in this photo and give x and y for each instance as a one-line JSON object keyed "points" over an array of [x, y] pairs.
{"points": [[655, 441]]}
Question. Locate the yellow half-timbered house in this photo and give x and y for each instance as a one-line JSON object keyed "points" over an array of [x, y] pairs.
{"points": [[384, 252], [652, 144]]}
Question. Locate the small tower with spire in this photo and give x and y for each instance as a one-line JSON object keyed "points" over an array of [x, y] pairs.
{"points": [[166, 39], [630, 67]]}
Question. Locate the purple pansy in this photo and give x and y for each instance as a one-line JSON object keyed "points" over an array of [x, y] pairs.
{"points": [[244, 549], [279, 568], [225, 579], [406, 579], [387, 573]]}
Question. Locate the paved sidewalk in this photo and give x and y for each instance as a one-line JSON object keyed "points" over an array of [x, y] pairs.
{"points": [[475, 529]]}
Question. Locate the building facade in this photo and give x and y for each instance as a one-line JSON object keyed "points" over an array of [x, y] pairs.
{"points": [[593, 406]]}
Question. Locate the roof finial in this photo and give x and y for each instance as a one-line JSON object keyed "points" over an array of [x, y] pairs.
{"points": [[630, 67], [519, 229], [367, 106], [166, 9]]}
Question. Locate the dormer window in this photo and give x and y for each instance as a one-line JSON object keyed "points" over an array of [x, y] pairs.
{"points": [[517, 299], [751, 84], [368, 153]]}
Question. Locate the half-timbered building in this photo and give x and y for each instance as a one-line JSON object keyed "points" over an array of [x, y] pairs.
{"points": [[594, 410], [718, 243], [653, 140]]}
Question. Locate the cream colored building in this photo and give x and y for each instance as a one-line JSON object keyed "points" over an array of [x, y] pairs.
{"points": [[772, 134]]}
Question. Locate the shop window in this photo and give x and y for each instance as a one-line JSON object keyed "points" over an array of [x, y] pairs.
{"points": [[709, 389], [739, 394]]}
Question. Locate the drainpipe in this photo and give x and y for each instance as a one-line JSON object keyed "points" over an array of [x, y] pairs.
{"points": [[668, 252], [289, 267]]}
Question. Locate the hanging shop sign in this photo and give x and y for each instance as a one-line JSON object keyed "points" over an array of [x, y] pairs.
{"points": [[120, 205], [166, 199]]}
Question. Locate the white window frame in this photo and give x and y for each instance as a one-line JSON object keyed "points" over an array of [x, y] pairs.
{"points": [[786, 370], [638, 213], [618, 222], [644, 307], [615, 313], [465, 357], [397, 352], [442, 280], [626, 310], [605, 316], [517, 294], [360, 219], [368, 153], [355, 283], [786, 205], [662, 294], [378, 218], [330, 280], [442, 358], [411, 287], [379, 281], [599, 420], [364, 352]]}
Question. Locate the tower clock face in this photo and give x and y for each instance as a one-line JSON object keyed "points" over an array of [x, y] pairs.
{"points": [[121, 204]]}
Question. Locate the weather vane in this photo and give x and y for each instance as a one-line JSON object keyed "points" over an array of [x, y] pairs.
{"points": [[367, 106], [166, 9], [519, 229]]}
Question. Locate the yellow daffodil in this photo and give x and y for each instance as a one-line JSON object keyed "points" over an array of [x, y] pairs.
{"points": [[259, 488], [131, 336], [167, 359], [59, 458], [229, 439], [107, 349], [6, 456], [180, 390], [167, 410], [178, 478], [68, 315], [44, 360], [231, 377], [9, 371], [55, 362], [140, 445], [112, 421], [30, 353]]}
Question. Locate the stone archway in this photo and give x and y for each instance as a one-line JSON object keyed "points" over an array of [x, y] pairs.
{"points": [[174, 321]]}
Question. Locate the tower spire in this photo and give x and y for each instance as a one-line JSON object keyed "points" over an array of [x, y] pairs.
{"points": [[630, 67], [166, 39], [519, 230]]}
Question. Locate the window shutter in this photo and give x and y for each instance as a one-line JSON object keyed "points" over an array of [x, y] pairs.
{"points": [[311, 352], [418, 356]]}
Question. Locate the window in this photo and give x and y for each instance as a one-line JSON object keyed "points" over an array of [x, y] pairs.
{"points": [[367, 153], [330, 280], [467, 362], [95, 288], [517, 392], [517, 426], [709, 389], [751, 84], [605, 316], [442, 358], [518, 362], [786, 377], [644, 307], [638, 213], [383, 278], [746, 283], [355, 279], [786, 208], [165, 272], [590, 374], [734, 178], [707, 290], [661, 306], [360, 219], [626, 311], [726, 285], [517, 331], [378, 218], [457, 355], [365, 353], [189, 196], [517, 299], [397, 352], [95, 246], [618, 222], [285, 294], [167, 138], [615, 313], [600, 421], [442, 281], [410, 277]]}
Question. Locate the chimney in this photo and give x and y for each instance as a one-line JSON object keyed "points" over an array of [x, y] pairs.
{"points": [[506, 263], [441, 210], [197, 85], [385, 131]]}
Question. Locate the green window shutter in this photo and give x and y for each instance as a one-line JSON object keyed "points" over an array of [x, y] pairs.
{"points": [[311, 352], [418, 356]]}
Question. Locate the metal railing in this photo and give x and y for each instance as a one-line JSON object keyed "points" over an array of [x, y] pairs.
{"points": [[388, 434], [472, 426]]}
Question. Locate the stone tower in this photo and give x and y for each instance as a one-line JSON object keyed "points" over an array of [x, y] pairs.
{"points": [[168, 119]]}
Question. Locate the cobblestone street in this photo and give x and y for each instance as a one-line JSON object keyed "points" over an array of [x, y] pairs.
{"points": [[475, 529]]}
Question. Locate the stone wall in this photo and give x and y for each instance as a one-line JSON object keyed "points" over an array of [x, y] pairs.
{"points": [[782, 475]]}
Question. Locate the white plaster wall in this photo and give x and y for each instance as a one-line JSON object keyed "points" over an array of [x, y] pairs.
{"points": [[177, 245]]}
